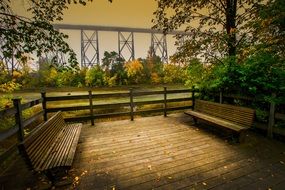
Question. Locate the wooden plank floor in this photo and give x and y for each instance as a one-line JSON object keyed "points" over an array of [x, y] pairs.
{"points": [[170, 153], [167, 153]]}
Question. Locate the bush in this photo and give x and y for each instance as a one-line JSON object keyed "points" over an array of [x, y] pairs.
{"points": [[173, 74], [134, 70], [95, 76]]}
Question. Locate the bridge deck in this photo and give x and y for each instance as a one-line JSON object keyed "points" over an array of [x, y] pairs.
{"points": [[171, 153]]}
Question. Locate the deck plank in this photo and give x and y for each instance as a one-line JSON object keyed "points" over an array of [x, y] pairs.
{"points": [[171, 153]]}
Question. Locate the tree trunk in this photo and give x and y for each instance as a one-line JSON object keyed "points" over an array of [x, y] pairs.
{"points": [[231, 26]]}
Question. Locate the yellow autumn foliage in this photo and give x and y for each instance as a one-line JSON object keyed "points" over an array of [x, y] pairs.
{"points": [[134, 70]]}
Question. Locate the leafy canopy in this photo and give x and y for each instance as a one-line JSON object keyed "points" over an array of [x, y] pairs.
{"points": [[35, 35], [215, 28]]}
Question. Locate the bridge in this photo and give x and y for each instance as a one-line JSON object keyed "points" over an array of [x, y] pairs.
{"points": [[90, 43]]}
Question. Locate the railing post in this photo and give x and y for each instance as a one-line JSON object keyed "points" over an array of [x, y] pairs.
{"points": [[271, 117], [193, 97], [132, 104], [91, 107], [165, 101], [19, 118], [44, 105], [221, 97]]}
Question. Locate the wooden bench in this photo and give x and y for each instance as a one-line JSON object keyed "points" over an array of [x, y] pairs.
{"points": [[234, 118], [51, 146]]}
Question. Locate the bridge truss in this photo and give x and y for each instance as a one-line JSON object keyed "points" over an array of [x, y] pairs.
{"points": [[90, 44]]}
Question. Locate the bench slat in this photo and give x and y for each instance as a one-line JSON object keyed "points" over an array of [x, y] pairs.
{"points": [[43, 145], [235, 118], [218, 121], [51, 145], [236, 114], [69, 158], [73, 141], [63, 147]]}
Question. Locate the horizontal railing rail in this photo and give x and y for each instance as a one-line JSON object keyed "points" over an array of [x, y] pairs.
{"points": [[128, 101], [20, 122]]}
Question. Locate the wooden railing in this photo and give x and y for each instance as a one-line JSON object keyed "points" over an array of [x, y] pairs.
{"points": [[129, 102], [20, 122]]}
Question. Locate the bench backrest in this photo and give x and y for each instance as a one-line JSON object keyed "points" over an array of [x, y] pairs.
{"points": [[36, 146], [241, 115]]}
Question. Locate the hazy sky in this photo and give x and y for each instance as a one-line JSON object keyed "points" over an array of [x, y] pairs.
{"points": [[126, 13], [129, 13]]}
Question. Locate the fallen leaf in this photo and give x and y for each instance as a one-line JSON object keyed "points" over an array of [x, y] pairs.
{"points": [[204, 183], [281, 162]]}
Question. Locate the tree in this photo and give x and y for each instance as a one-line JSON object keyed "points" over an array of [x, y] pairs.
{"points": [[134, 71], [113, 65], [269, 29], [21, 35], [216, 28]]}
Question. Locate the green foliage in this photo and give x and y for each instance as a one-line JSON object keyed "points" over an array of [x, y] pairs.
{"points": [[113, 66], [173, 74], [152, 68], [196, 73], [218, 32], [95, 76], [258, 75]]}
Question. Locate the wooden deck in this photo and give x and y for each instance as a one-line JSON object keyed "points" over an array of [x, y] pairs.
{"points": [[168, 153]]}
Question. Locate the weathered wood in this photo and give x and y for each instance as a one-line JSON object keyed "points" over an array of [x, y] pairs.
{"points": [[221, 97], [44, 105], [112, 95], [271, 119], [166, 153], [137, 94], [165, 102], [193, 97], [51, 145], [163, 157], [70, 108], [32, 119], [71, 97], [131, 104], [235, 118], [31, 104], [91, 107], [19, 119], [178, 91]]}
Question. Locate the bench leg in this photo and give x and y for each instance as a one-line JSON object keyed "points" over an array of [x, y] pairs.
{"points": [[195, 120], [242, 136]]}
